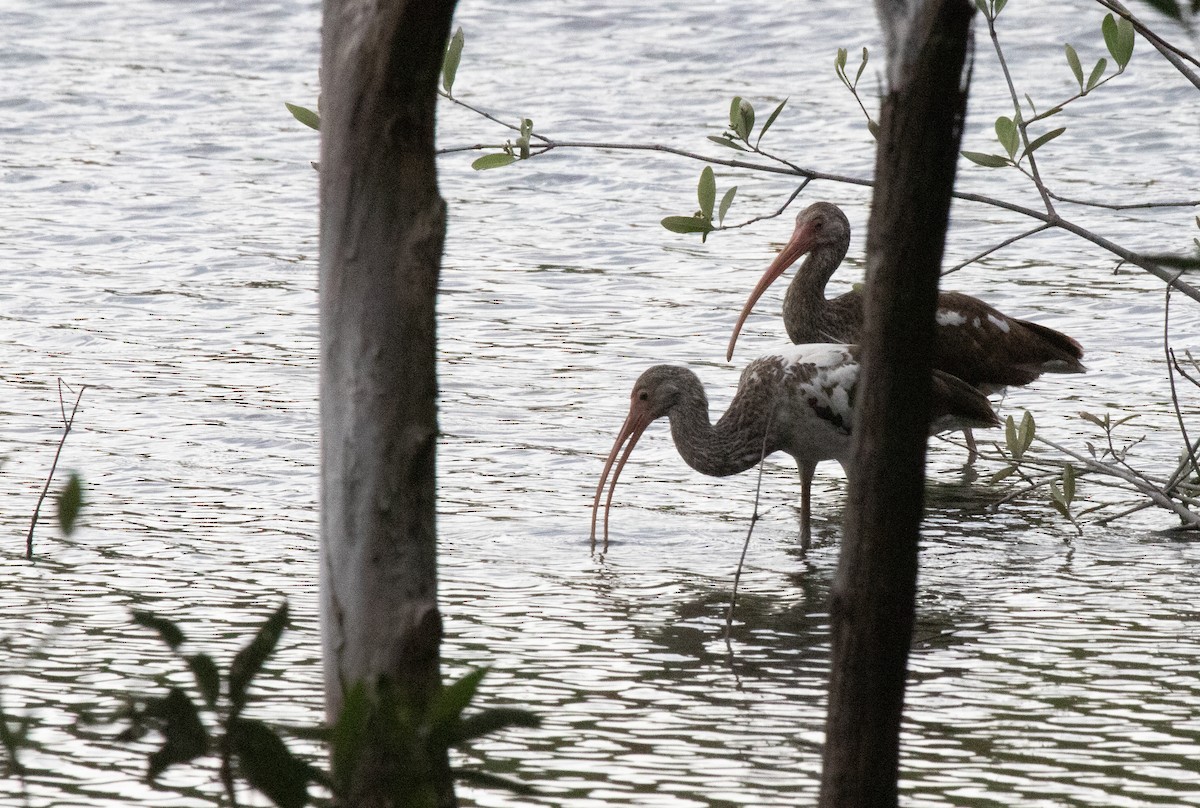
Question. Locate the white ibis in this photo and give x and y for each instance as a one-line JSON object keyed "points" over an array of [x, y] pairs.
{"points": [[974, 341], [798, 400]]}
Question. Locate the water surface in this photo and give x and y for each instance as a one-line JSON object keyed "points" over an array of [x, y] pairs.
{"points": [[159, 244]]}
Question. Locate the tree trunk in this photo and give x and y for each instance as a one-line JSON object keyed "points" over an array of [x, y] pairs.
{"points": [[873, 596], [382, 230]]}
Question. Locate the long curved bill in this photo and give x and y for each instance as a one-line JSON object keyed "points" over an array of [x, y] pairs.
{"points": [[798, 245], [635, 424]]}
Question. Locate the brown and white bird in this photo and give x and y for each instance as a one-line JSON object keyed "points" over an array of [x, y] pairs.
{"points": [[973, 341], [798, 400]]}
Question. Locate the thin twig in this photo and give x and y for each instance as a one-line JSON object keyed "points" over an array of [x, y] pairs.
{"points": [[1051, 219], [67, 424], [766, 216], [1020, 119], [1091, 203], [1000, 246], [1171, 366], [737, 575], [487, 115], [1134, 479]]}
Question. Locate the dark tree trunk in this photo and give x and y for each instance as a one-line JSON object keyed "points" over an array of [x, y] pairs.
{"points": [[873, 597], [382, 230]]}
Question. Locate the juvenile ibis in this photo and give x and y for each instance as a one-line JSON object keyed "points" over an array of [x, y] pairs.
{"points": [[973, 341], [798, 400]]}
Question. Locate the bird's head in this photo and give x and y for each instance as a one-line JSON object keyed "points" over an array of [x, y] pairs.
{"points": [[656, 392], [821, 225]]}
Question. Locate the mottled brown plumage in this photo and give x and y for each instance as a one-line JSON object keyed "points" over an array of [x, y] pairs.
{"points": [[974, 341], [798, 400]]}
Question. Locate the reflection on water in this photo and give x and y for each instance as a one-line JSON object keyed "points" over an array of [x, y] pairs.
{"points": [[159, 245]]}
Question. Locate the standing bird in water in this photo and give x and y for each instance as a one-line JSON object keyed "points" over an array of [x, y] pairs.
{"points": [[798, 400], [973, 341]]}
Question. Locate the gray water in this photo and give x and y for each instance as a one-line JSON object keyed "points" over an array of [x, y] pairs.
{"points": [[158, 242]]}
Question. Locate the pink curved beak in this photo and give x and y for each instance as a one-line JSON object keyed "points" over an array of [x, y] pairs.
{"points": [[798, 245], [635, 424]]}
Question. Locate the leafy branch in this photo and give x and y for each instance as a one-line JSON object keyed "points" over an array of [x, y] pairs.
{"points": [[711, 215], [208, 720], [1106, 463]]}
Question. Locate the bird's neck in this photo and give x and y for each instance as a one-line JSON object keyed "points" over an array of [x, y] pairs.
{"points": [[734, 444], [804, 304]]}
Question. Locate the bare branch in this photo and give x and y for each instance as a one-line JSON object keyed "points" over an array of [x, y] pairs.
{"points": [[68, 422], [1000, 246]]}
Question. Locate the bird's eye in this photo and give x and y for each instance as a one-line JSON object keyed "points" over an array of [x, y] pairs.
{"points": [[643, 395]]}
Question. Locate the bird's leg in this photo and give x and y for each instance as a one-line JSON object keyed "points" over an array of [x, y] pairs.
{"points": [[806, 478], [972, 450]]}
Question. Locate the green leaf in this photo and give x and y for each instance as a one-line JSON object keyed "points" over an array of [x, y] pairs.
{"points": [[167, 630], [1002, 473], [451, 700], [268, 765], [1097, 74], [486, 722], [862, 66], [1007, 134], [873, 128], [70, 502], [725, 141], [747, 117], [1076, 67], [249, 661], [986, 160], [687, 224], [523, 140], [306, 116], [348, 737], [184, 735], [1111, 38], [1044, 139], [1068, 483], [1018, 438], [1026, 431], [706, 192], [741, 117], [1124, 48], [726, 201], [451, 60], [839, 61], [1000, 6], [1031, 106], [1108, 27], [982, 6], [208, 679], [497, 160], [735, 115], [1087, 416], [770, 120]]}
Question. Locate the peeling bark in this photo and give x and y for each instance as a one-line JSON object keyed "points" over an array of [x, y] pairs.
{"points": [[382, 230]]}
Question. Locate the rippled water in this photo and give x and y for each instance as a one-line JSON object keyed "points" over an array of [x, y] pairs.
{"points": [[158, 241]]}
